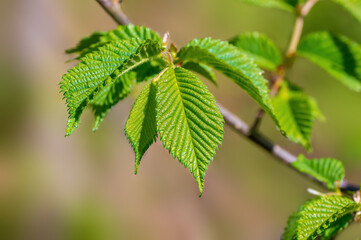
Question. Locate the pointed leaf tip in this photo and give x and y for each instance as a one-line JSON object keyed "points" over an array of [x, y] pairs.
{"points": [[189, 123], [141, 128]]}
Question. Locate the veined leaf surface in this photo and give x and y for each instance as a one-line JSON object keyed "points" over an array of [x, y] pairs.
{"points": [[260, 48], [338, 55], [188, 120], [317, 215], [100, 69], [123, 32], [327, 170], [296, 113], [111, 95], [141, 127], [227, 59]]}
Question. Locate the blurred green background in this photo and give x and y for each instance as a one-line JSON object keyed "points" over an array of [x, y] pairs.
{"points": [[83, 187]]}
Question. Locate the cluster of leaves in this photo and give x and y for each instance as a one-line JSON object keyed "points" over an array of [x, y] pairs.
{"points": [[325, 216], [177, 106], [328, 214], [353, 6]]}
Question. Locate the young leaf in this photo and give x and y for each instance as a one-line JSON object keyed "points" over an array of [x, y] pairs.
{"points": [[141, 127], [124, 32], [288, 5], [188, 120], [260, 48], [227, 59], [202, 69], [100, 69], [327, 170], [353, 6], [111, 95], [296, 113], [338, 55], [317, 215]]}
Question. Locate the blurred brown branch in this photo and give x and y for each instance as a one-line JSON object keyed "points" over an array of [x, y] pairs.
{"points": [[112, 7], [277, 151]]}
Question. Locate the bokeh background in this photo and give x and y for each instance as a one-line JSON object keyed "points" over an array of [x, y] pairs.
{"points": [[83, 188]]}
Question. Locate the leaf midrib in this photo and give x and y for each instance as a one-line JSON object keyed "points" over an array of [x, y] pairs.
{"points": [[188, 128]]}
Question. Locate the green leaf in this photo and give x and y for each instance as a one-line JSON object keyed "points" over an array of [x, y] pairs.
{"points": [[336, 227], [86, 42], [227, 59], [189, 122], [202, 69], [317, 215], [141, 127], [127, 32], [327, 170], [288, 5], [101, 69], [353, 6], [260, 48], [111, 95], [296, 113], [124, 32], [338, 55]]}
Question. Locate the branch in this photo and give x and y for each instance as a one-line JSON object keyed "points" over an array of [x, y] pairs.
{"points": [[298, 28], [277, 151], [289, 57], [295, 39], [114, 10], [112, 7]]}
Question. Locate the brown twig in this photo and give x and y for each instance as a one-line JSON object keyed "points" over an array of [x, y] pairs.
{"points": [[277, 151], [112, 7], [240, 126]]}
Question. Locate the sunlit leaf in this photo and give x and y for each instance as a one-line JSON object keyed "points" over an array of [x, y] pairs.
{"points": [[111, 95], [316, 216], [260, 48], [141, 128], [338, 55], [99, 70], [123, 32], [227, 59], [296, 113], [327, 170], [189, 122]]}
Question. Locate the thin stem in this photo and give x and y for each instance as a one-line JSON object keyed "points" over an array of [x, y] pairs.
{"points": [[298, 28], [289, 57], [112, 7], [258, 119], [295, 39], [275, 85], [242, 128], [307, 7]]}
